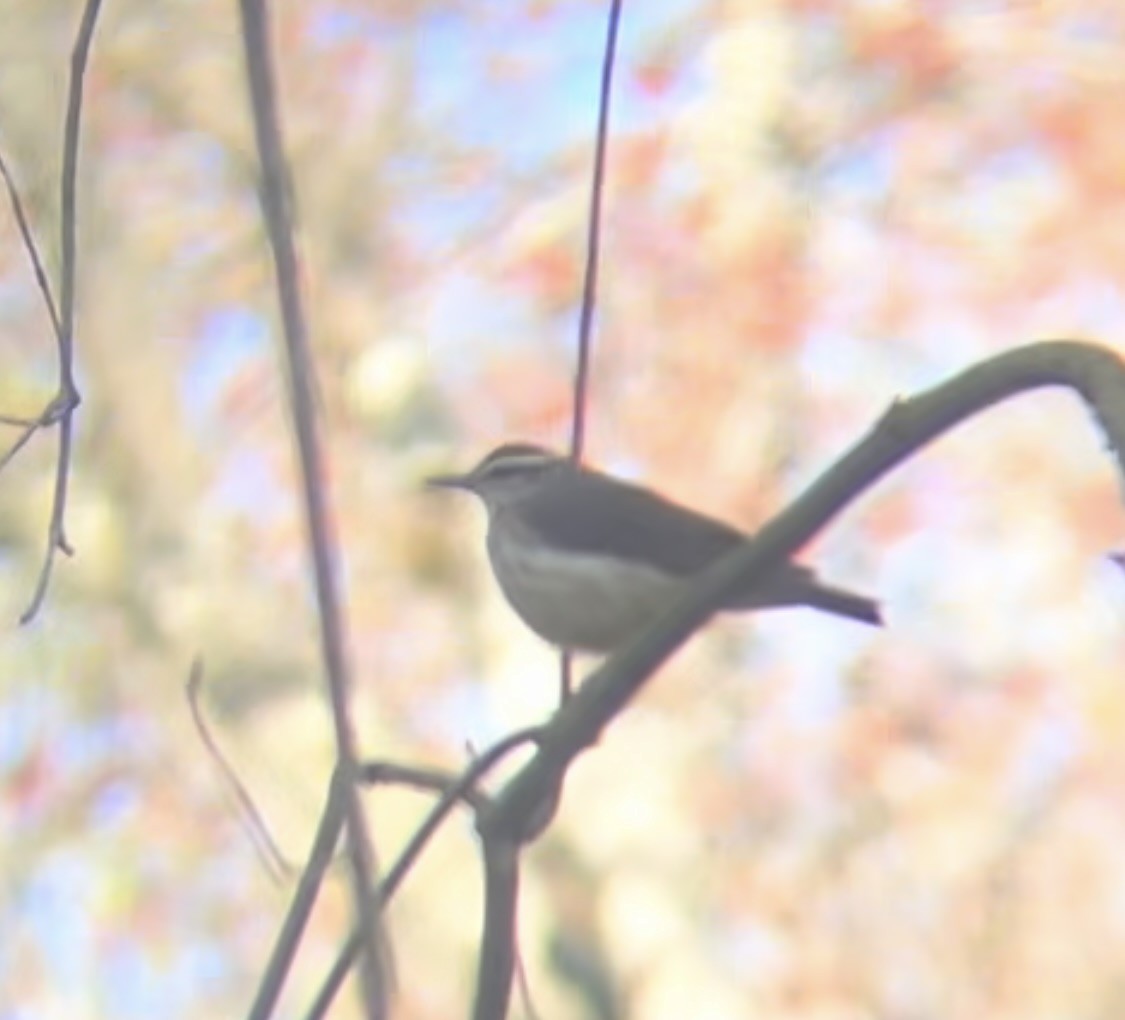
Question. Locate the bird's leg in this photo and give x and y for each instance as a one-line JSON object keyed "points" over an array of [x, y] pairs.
{"points": [[566, 687]]}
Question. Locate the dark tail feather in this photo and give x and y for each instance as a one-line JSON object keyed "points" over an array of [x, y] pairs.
{"points": [[796, 585], [843, 603]]}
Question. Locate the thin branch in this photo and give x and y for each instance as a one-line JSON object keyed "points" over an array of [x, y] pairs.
{"points": [[32, 250], [67, 398], [523, 986], [455, 790], [19, 444], [426, 780], [69, 200], [320, 856], [1095, 373], [314, 485], [463, 788], [264, 844], [590, 282], [56, 531], [19, 423], [593, 237]]}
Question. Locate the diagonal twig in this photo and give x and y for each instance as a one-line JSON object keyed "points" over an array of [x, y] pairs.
{"points": [[31, 248], [19, 444], [264, 845], [288, 941]]}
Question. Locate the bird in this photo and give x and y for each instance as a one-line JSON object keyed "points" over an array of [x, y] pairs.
{"points": [[587, 560]]}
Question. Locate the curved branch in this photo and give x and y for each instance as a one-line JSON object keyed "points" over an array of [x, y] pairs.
{"points": [[1095, 373]]}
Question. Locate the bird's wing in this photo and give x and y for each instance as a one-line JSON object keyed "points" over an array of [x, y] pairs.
{"points": [[588, 512], [595, 514]]}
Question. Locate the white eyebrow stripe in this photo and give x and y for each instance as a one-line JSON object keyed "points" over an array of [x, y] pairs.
{"points": [[516, 462]]}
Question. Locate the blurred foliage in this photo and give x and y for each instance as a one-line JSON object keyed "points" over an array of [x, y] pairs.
{"points": [[813, 207]]}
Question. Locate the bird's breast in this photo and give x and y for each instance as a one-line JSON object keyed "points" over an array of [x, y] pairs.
{"points": [[576, 600]]}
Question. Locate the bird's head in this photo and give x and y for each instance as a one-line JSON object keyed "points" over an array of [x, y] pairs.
{"points": [[506, 475]]}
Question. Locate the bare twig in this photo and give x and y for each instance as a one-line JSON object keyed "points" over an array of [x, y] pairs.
{"points": [[523, 986], [314, 484], [593, 237], [264, 844], [19, 423], [455, 789], [66, 400], [19, 444], [320, 856], [32, 249]]}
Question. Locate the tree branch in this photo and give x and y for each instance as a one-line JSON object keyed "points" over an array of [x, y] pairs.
{"points": [[1096, 374], [314, 486]]}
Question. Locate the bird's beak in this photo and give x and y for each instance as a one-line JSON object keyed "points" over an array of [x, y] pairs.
{"points": [[450, 482]]}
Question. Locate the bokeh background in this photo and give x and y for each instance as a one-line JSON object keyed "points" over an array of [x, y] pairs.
{"points": [[812, 208]]}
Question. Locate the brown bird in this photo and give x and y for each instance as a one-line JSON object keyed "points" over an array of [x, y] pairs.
{"points": [[587, 560]]}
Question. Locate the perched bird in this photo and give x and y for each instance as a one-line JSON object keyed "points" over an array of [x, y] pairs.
{"points": [[587, 560]]}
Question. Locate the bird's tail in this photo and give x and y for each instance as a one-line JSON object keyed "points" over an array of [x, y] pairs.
{"points": [[797, 585], [843, 603]]}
